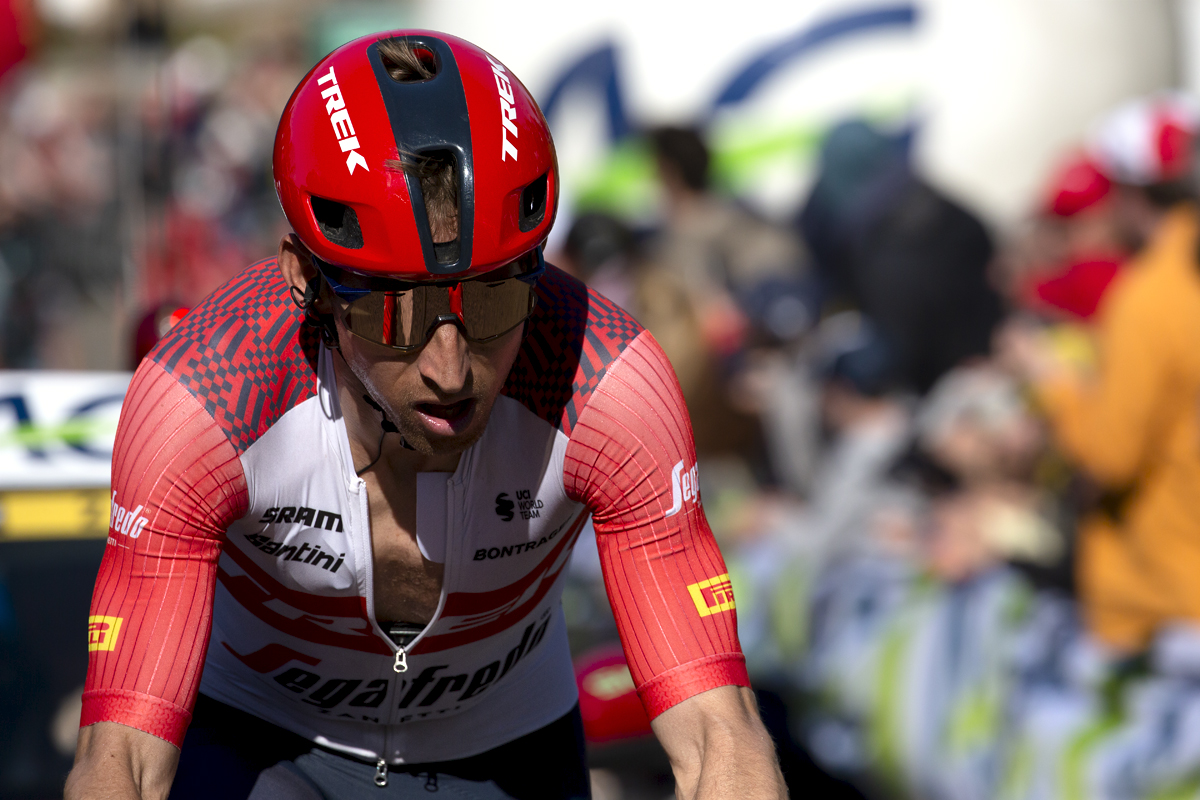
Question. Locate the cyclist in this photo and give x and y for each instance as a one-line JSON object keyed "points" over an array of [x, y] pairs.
{"points": [[346, 485]]}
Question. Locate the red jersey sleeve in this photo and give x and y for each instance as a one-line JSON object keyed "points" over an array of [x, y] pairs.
{"points": [[632, 460], [176, 485]]}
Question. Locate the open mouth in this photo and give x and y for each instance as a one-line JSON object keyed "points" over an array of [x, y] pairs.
{"points": [[452, 412]]}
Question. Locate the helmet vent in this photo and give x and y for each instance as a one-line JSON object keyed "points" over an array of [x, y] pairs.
{"points": [[533, 204], [407, 62], [446, 252], [337, 222]]}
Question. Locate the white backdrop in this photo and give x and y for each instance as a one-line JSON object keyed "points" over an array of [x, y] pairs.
{"points": [[1000, 87]]}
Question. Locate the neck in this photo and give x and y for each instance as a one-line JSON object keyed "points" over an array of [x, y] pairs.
{"points": [[368, 440]]}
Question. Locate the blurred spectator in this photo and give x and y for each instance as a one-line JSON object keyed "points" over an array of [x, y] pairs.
{"points": [[128, 190], [599, 250], [708, 255], [909, 258], [1064, 265], [868, 426], [206, 167], [154, 325], [60, 232], [18, 32], [1133, 424]]}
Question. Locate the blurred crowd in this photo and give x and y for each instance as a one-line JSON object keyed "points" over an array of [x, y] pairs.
{"points": [[129, 189], [955, 474], [956, 478]]}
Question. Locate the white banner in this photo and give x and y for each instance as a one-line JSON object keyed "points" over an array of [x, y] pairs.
{"points": [[57, 428]]}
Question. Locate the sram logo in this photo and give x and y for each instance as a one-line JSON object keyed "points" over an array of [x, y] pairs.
{"points": [[508, 110], [125, 522], [339, 118]]}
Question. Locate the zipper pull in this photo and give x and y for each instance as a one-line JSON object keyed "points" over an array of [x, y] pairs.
{"points": [[401, 664], [381, 773]]}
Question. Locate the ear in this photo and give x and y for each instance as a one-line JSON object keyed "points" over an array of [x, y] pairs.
{"points": [[296, 264]]}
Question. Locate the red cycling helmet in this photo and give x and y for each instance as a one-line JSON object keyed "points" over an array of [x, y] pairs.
{"points": [[348, 118]]}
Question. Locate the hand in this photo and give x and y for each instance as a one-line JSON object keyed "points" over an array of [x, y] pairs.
{"points": [[719, 748], [1023, 349]]}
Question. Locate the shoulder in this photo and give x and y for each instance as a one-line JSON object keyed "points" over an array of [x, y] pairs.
{"points": [[244, 353], [574, 336]]}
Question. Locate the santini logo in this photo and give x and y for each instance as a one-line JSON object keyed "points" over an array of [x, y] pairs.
{"points": [[290, 552], [508, 110], [684, 487], [339, 118]]}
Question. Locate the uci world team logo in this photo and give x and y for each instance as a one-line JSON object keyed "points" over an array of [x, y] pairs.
{"points": [[505, 507]]}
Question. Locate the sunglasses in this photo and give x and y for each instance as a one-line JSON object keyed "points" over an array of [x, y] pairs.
{"points": [[401, 315]]}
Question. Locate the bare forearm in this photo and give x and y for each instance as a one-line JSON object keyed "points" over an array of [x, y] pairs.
{"points": [[719, 748], [740, 766], [115, 762]]}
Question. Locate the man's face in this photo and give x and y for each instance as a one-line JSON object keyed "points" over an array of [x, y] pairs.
{"points": [[440, 397]]}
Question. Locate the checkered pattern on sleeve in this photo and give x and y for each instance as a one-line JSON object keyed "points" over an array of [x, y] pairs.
{"points": [[245, 353], [572, 338]]}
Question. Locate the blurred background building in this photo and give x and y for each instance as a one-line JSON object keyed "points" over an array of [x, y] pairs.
{"points": [[926, 271]]}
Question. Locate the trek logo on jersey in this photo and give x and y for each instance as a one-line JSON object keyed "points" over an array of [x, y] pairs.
{"points": [[339, 118], [126, 522], [685, 487], [302, 515], [508, 110], [103, 632], [713, 595]]}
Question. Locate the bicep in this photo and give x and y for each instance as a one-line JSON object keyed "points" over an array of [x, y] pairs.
{"points": [[176, 483], [632, 460]]}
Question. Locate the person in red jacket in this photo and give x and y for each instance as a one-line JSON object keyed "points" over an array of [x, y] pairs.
{"points": [[346, 485]]}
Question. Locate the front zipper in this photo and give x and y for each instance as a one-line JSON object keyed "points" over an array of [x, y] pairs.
{"points": [[381, 773], [401, 663]]}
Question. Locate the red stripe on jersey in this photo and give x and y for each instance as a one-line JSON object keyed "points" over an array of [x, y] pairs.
{"points": [[499, 610], [358, 636], [461, 604], [630, 460], [173, 466], [350, 606]]}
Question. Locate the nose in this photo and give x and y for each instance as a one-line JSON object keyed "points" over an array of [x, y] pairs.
{"points": [[445, 360]]}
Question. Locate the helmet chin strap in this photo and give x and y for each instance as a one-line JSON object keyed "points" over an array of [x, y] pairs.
{"points": [[329, 338], [385, 424]]}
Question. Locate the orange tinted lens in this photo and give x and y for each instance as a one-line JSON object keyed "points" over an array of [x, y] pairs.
{"points": [[398, 319], [490, 309], [403, 319]]}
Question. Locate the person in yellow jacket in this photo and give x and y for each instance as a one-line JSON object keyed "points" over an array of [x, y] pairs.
{"points": [[1134, 427]]}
